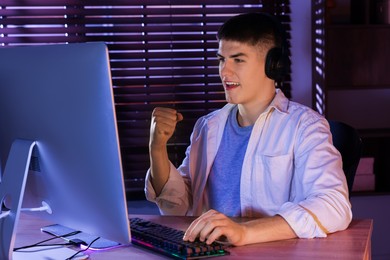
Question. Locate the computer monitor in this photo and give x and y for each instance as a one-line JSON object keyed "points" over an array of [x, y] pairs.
{"points": [[60, 98]]}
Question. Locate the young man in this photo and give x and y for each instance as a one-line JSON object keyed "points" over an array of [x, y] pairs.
{"points": [[260, 156]]}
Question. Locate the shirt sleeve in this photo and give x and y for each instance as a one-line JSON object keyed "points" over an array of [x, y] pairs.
{"points": [[324, 206], [176, 198], [173, 199]]}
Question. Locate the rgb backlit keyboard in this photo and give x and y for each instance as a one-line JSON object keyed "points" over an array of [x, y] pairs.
{"points": [[169, 241]]}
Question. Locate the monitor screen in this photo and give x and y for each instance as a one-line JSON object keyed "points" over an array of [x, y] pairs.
{"points": [[60, 96]]}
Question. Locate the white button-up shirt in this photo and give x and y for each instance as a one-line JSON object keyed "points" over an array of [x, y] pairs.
{"points": [[290, 168]]}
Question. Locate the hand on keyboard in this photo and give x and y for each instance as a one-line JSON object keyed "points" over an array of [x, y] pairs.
{"points": [[169, 241]]}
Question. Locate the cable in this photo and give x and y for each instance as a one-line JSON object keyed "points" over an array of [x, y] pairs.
{"points": [[41, 242], [4, 214], [83, 250], [72, 242], [44, 207]]}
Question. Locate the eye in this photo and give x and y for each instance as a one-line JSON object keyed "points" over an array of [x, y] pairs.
{"points": [[220, 59], [236, 60]]}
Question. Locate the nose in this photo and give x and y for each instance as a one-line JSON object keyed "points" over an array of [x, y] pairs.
{"points": [[225, 69]]}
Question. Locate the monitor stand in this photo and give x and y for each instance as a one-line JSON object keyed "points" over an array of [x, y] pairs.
{"points": [[12, 188]]}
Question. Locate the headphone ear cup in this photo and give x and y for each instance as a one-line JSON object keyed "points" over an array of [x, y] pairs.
{"points": [[276, 64]]}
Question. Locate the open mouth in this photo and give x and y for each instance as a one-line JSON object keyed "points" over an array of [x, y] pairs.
{"points": [[231, 85]]}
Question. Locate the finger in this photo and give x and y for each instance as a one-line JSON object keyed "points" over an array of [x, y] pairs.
{"points": [[165, 110], [216, 233], [207, 230], [193, 230], [179, 117], [214, 228], [198, 225], [165, 113], [195, 223]]}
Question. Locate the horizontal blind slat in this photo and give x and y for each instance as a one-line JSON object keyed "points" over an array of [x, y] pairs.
{"points": [[140, 3]]}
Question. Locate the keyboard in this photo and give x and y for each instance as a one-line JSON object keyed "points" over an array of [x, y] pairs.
{"points": [[169, 241]]}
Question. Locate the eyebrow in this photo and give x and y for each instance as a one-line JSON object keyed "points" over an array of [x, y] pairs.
{"points": [[234, 55]]}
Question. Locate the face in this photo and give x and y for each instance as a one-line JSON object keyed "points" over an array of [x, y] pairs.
{"points": [[241, 68]]}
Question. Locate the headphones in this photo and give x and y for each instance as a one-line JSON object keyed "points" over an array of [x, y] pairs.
{"points": [[277, 61]]}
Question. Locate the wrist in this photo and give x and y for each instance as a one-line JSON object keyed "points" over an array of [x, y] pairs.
{"points": [[157, 147]]}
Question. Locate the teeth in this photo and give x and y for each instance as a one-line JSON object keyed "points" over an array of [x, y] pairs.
{"points": [[229, 83]]}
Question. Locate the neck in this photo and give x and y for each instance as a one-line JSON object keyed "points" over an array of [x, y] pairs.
{"points": [[248, 113]]}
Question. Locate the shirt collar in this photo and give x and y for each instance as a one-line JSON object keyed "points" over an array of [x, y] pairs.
{"points": [[280, 102]]}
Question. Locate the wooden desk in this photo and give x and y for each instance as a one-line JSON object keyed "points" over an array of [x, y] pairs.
{"points": [[353, 243]]}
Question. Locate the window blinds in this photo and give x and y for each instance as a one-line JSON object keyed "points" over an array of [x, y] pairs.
{"points": [[162, 53]]}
